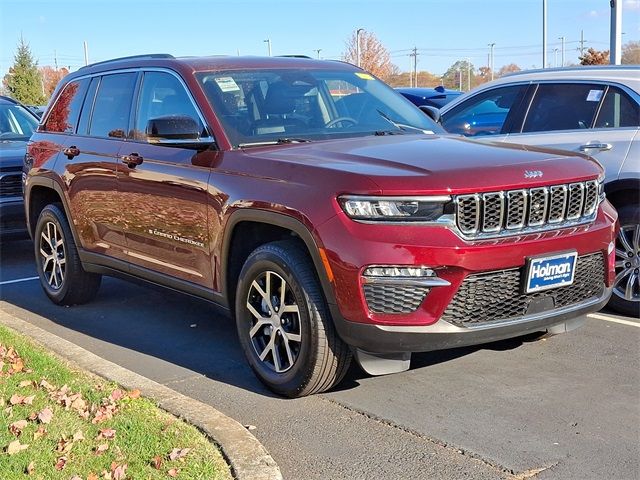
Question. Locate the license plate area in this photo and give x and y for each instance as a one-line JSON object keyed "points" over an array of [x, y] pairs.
{"points": [[550, 271]]}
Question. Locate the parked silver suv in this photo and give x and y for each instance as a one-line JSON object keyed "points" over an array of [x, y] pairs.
{"points": [[594, 110]]}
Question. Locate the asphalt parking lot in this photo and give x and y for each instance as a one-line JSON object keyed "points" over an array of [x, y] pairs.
{"points": [[562, 407]]}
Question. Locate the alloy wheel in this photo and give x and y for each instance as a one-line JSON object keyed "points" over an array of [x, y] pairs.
{"points": [[53, 255], [275, 328], [627, 283]]}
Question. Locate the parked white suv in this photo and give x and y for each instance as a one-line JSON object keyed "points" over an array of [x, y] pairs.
{"points": [[594, 110]]}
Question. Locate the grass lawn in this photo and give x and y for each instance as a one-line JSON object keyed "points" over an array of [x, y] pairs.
{"points": [[58, 423]]}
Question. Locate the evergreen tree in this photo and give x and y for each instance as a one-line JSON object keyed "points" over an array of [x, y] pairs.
{"points": [[23, 82]]}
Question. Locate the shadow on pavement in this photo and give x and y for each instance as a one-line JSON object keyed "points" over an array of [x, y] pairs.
{"points": [[178, 329]]}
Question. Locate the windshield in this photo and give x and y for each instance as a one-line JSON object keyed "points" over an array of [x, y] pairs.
{"points": [[264, 106], [16, 123]]}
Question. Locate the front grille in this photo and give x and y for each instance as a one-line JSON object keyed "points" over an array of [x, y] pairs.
{"points": [[10, 185], [497, 296], [389, 298], [534, 209]]}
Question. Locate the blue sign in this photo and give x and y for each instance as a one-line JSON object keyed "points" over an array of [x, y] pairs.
{"points": [[551, 272]]}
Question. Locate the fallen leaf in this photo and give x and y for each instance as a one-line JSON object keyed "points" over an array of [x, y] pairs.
{"points": [[178, 453], [17, 427], [173, 472], [30, 468], [78, 436], [106, 433], [16, 399], [135, 393], [27, 383], [33, 416], [18, 365], [15, 447], [41, 432], [61, 463], [76, 477], [119, 472], [46, 385], [157, 462], [92, 476], [116, 395], [102, 448], [64, 445], [28, 400], [45, 415]]}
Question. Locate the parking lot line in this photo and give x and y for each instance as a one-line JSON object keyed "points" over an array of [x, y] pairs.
{"points": [[613, 319], [18, 280]]}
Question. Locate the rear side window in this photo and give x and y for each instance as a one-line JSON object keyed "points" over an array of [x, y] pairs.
{"points": [[112, 106], [63, 117], [563, 106], [486, 113], [162, 95], [618, 110]]}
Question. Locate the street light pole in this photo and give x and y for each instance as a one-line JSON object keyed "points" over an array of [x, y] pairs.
{"points": [[562, 57], [318, 50], [555, 57], [268, 42], [544, 33], [468, 74], [615, 58], [491, 45], [358, 45]]}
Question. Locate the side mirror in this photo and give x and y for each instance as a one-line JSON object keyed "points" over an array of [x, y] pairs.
{"points": [[431, 112], [172, 127]]}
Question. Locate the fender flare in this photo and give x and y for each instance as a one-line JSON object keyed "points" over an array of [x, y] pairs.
{"points": [[280, 220], [56, 187]]}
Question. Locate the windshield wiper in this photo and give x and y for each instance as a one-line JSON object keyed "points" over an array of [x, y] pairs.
{"points": [[401, 126], [279, 141]]}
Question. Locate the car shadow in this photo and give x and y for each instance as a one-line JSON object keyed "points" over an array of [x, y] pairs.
{"points": [[183, 331]]}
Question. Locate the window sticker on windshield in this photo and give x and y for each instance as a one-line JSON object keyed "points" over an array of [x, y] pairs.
{"points": [[364, 76], [227, 84], [594, 95]]}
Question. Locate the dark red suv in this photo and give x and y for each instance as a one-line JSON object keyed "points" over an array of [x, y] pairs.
{"points": [[322, 209]]}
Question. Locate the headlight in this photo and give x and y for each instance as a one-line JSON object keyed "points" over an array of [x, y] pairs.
{"points": [[414, 209]]}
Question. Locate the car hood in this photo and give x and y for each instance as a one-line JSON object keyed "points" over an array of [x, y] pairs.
{"points": [[12, 153], [409, 164]]}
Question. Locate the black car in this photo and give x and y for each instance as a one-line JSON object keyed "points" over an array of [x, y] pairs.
{"points": [[17, 123], [432, 97]]}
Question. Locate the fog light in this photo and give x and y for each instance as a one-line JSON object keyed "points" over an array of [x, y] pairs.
{"points": [[399, 272]]}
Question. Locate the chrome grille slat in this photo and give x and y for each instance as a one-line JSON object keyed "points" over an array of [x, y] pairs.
{"points": [[11, 185], [528, 210]]}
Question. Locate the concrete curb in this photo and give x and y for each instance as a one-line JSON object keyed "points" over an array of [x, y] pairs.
{"points": [[247, 457]]}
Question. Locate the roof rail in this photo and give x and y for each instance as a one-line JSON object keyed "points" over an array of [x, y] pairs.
{"points": [[294, 56], [132, 57]]}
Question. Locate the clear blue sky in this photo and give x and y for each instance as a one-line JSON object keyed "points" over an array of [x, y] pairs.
{"points": [[444, 30]]}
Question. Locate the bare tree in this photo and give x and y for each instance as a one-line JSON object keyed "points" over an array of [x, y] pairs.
{"points": [[374, 57], [631, 53], [511, 68]]}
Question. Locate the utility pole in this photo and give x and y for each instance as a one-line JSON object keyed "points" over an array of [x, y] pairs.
{"points": [[555, 57], [615, 55], [358, 46], [544, 33], [414, 54], [318, 50], [268, 42], [460, 77], [562, 57], [55, 59], [491, 45], [581, 43], [86, 53], [468, 74]]}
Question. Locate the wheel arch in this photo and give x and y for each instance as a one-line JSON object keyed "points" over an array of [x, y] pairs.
{"points": [[277, 227], [42, 192], [623, 191]]}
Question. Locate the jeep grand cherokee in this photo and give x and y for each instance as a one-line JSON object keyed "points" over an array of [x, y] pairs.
{"points": [[329, 215]]}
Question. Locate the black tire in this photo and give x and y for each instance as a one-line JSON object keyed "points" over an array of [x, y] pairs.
{"points": [[320, 358], [67, 283], [627, 262]]}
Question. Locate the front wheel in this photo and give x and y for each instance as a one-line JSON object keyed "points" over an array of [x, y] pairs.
{"points": [[284, 325], [626, 290], [61, 274]]}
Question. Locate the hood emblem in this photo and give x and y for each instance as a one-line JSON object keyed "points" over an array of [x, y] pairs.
{"points": [[532, 173]]}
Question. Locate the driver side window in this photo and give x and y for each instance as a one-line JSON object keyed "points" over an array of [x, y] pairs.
{"points": [[486, 113], [162, 95]]}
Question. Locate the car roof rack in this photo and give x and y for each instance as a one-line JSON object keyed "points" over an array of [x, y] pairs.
{"points": [[294, 56], [132, 57]]}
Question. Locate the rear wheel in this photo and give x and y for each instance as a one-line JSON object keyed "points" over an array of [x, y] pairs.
{"points": [[61, 274], [626, 289], [284, 325]]}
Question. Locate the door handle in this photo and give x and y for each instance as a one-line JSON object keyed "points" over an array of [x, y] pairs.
{"points": [[132, 160], [71, 152], [595, 146]]}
